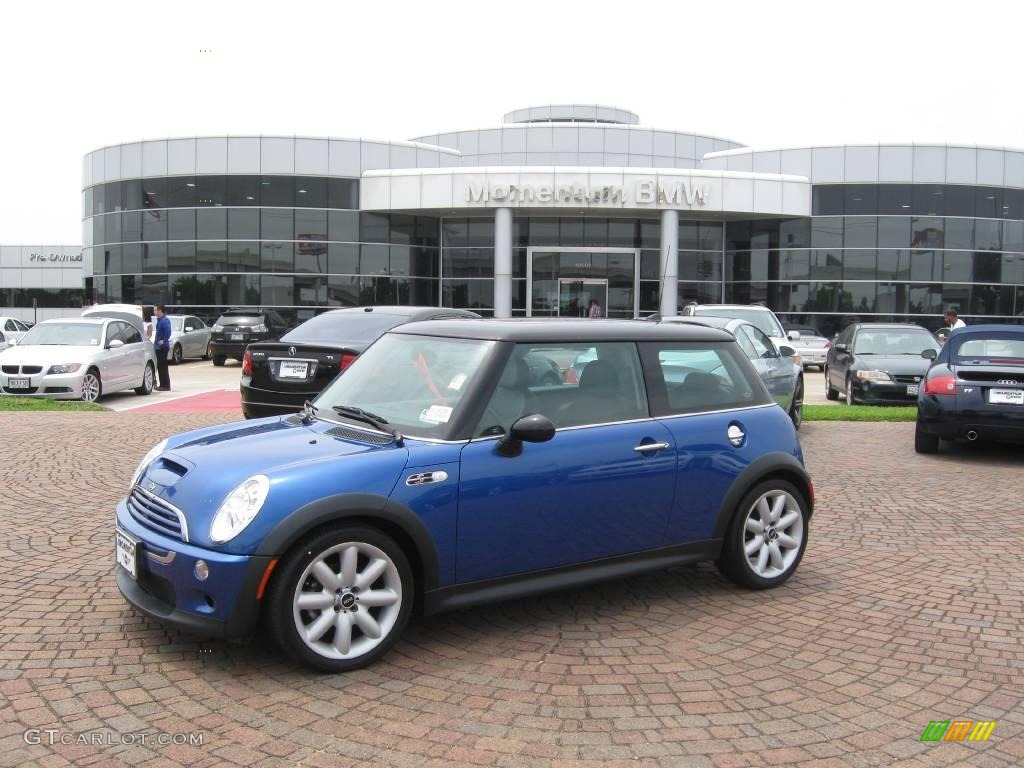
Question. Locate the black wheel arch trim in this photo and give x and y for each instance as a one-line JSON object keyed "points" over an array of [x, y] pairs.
{"points": [[356, 506], [766, 466]]}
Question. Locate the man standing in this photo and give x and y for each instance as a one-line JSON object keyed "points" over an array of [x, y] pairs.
{"points": [[162, 344], [953, 320]]}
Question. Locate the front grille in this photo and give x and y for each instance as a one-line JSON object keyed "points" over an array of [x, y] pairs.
{"points": [[31, 369], [907, 379], [362, 437], [157, 514], [9, 368]]}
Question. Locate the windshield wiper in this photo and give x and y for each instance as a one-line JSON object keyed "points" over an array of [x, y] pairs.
{"points": [[358, 414]]}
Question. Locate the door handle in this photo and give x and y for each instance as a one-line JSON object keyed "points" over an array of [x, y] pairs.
{"points": [[650, 447]]}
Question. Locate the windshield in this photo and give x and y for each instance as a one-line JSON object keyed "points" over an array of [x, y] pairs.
{"points": [[1002, 349], [332, 327], [893, 342], [63, 335], [762, 319], [416, 383]]}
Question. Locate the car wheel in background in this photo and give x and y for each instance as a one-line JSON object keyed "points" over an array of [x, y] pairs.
{"points": [[218, 360], [147, 381], [850, 400], [206, 354], [796, 408], [767, 536], [176, 355], [925, 443], [92, 387], [830, 392], [341, 598]]}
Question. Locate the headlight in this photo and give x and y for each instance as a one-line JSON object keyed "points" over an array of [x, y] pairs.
{"points": [[217, 328], [67, 368], [239, 509], [873, 376], [148, 459]]}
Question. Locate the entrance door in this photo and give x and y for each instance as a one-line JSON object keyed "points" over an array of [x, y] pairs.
{"points": [[575, 297]]}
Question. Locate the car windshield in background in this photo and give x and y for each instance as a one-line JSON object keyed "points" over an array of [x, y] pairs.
{"points": [[63, 335], [893, 343], [1002, 349], [176, 322], [759, 318], [330, 328], [414, 383]]}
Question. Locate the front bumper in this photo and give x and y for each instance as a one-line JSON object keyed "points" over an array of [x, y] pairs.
{"points": [[62, 386], [884, 392], [225, 605]]}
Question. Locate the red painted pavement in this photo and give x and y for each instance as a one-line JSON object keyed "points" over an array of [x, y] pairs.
{"points": [[219, 401]]}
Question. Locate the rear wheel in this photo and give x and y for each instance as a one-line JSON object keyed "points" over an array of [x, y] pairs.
{"points": [[796, 408], [176, 355], [206, 354], [218, 360], [924, 442], [147, 381], [341, 599], [767, 537], [92, 387], [831, 393]]}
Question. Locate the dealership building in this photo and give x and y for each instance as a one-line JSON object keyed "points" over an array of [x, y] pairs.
{"points": [[558, 209], [39, 282]]}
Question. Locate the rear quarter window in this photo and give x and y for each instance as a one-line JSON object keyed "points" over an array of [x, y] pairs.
{"points": [[694, 377]]}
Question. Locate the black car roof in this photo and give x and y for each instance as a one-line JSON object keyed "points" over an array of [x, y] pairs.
{"points": [[564, 330]]}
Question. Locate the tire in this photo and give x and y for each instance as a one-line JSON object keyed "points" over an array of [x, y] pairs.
{"points": [[796, 408], [147, 381], [176, 355], [206, 354], [92, 386], [341, 609], [830, 392], [850, 399], [758, 571], [218, 360], [923, 442]]}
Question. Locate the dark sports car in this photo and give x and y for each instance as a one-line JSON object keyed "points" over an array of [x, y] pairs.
{"points": [[278, 377], [974, 389]]}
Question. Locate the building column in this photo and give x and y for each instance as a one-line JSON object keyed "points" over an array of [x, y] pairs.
{"points": [[669, 263], [503, 262]]}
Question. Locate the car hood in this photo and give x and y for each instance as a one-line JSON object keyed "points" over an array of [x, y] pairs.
{"points": [[898, 364], [304, 462], [48, 354]]}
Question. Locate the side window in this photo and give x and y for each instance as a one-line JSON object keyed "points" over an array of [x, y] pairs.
{"points": [[846, 337], [111, 334], [746, 344], [131, 335], [20, 325], [762, 344], [685, 377], [197, 324], [10, 326]]}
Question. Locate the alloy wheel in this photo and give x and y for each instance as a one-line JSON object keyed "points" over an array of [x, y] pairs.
{"points": [[849, 391], [176, 355], [773, 533], [90, 388], [147, 380], [347, 601]]}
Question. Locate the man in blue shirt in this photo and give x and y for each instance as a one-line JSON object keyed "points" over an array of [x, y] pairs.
{"points": [[162, 344]]}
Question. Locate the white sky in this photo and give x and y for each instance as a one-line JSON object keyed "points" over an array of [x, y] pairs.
{"points": [[75, 76]]}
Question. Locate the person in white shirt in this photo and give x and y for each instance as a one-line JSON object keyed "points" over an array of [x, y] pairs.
{"points": [[953, 320]]}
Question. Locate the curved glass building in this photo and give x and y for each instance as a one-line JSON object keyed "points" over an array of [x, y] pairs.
{"points": [[558, 208]]}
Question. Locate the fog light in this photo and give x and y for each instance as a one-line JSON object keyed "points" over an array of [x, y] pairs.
{"points": [[202, 570]]}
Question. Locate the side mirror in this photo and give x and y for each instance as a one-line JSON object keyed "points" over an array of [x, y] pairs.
{"points": [[188, 328], [786, 351], [115, 344], [793, 335], [534, 428], [929, 354]]}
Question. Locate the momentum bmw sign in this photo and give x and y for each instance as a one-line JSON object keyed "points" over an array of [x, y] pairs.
{"points": [[685, 193]]}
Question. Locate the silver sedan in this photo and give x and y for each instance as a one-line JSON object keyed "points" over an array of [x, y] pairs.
{"points": [[190, 337]]}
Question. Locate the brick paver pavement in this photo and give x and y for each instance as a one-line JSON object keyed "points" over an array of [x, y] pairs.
{"points": [[907, 608]]}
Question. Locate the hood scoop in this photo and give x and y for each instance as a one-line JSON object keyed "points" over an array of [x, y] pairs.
{"points": [[358, 436]]}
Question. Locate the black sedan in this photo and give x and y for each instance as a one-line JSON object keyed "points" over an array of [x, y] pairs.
{"points": [[280, 376], [878, 363], [974, 389]]}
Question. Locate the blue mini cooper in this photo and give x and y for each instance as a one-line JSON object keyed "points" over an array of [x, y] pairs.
{"points": [[439, 470]]}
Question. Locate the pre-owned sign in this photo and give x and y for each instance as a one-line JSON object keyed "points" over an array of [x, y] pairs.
{"points": [[54, 258]]}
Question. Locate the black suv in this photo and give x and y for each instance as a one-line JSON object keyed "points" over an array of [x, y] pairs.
{"points": [[237, 328]]}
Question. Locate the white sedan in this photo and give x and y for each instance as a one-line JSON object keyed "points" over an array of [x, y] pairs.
{"points": [[12, 328], [79, 359]]}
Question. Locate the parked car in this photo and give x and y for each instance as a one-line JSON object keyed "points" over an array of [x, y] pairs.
{"points": [[809, 343], [878, 363], [778, 366], [4, 343], [131, 312], [278, 377], [79, 359], [13, 329], [238, 328], [756, 314], [190, 337], [974, 388], [431, 474]]}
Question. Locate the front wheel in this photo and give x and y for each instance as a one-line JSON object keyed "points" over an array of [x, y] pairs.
{"points": [[850, 400], [796, 408], [341, 599], [176, 355], [767, 537], [147, 381], [92, 387]]}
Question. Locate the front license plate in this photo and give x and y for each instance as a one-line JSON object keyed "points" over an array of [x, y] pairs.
{"points": [[238, 337], [290, 370], [1006, 396], [125, 549], [913, 389], [18, 383]]}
